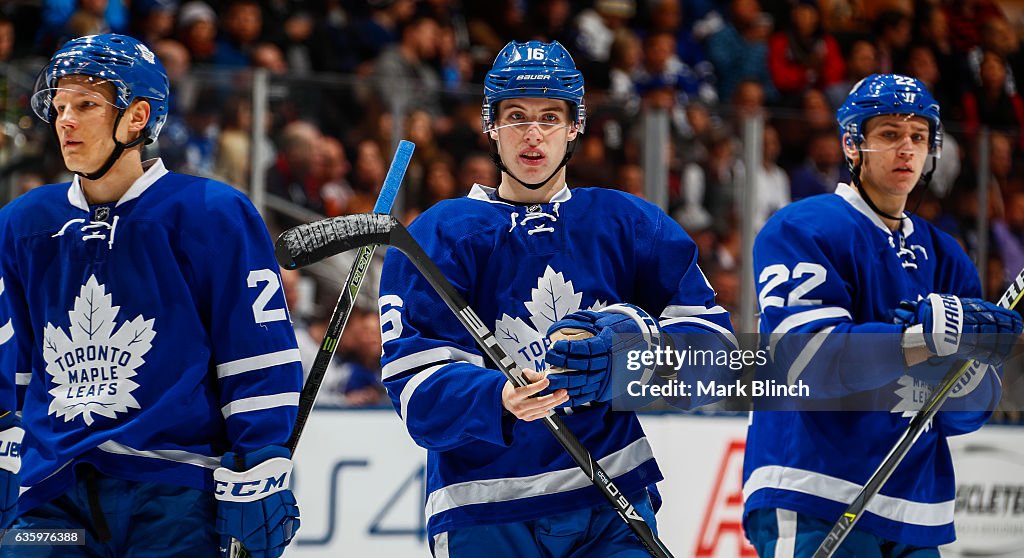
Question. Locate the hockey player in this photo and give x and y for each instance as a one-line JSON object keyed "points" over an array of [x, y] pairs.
{"points": [[144, 337], [869, 306], [532, 256]]}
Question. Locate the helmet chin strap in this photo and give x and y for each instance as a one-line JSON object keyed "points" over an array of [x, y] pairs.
{"points": [[496, 157], [925, 180], [115, 154]]}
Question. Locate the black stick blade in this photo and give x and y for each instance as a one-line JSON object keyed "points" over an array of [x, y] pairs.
{"points": [[308, 244]]}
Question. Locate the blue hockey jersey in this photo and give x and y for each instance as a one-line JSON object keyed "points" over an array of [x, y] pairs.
{"points": [[829, 275], [522, 268], [146, 337]]}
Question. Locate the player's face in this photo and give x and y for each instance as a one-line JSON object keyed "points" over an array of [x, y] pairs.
{"points": [[532, 135], [895, 149], [84, 120]]}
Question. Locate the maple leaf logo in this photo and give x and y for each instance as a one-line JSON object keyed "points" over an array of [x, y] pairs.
{"points": [[550, 301], [92, 370], [913, 394]]}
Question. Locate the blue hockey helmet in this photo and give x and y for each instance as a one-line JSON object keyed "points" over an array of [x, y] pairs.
{"points": [[534, 69], [880, 94], [124, 62]]}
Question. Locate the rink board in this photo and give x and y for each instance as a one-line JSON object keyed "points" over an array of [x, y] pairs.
{"points": [[360, 488]]}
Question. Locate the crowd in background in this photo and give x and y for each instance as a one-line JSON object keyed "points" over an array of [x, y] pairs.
{"points": [[343, 70]]}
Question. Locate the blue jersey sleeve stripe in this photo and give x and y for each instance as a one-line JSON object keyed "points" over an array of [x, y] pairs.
{"points": [[563, 480], [677, 311], [261, 402], [807, 353], [775, 477], [410, 388], [257, 362], [430, 356], [178, 456], [22, 378]]}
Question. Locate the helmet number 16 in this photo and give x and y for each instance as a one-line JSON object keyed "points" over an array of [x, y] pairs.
{"points": [[535, 53]]}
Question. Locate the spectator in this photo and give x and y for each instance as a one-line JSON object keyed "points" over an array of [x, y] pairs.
{"points": [[861, 63], [338, 196], [630, 179], [823, 169], [966, 18], [233, 144], [804, 56], [709, 189], [590, 165], [367, 37], [795, 131], [293, 176], [241, 26], [1000, 38], [370, 168], [57, 16], [748, 100], [478, 168], [892, 34], [197, 30], [771, 182], [597, 26], [88, 19], [492, 24], [1008, 233], [624, 59], [552, 19], [6, 38], [663, 71], [933, 29], [989, 103], [269, 56], [439, 183], [403, 74], [154, 20], [174, 136], [667, 17], [739, 50], [359, 355]]}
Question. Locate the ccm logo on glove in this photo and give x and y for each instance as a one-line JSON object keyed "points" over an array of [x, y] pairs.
{"points": [[267, 478]]}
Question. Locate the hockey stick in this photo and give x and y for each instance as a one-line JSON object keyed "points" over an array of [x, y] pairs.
{"points": [[307, 244], [917, 426], [346, 300]]}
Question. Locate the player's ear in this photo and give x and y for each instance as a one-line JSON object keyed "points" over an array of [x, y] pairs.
{"points": [[850, 148], [574, 131], [136, 117], [493, 133]]}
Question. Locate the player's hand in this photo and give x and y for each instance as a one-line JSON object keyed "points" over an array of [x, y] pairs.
{"points": [[522, 403], [584, 365], [968, 328], [255, 504], [10, 465]]}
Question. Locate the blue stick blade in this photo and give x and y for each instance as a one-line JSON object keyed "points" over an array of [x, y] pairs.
{"points": [[393, 180]]}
